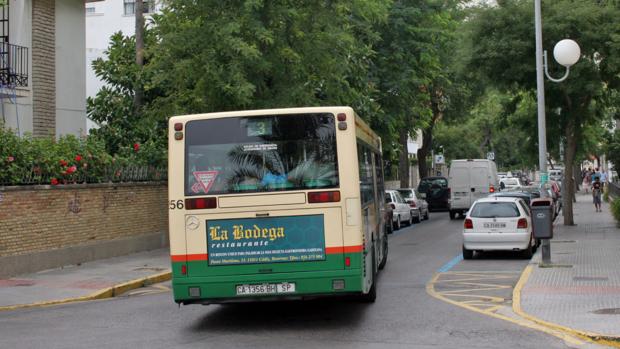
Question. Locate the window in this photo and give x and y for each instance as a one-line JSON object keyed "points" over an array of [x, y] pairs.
{"points": [[262, 153], [90, 9], [129, 6], [495, 209]]}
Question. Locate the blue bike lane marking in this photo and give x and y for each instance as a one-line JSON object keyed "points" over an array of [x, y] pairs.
{"points": [[446, 267]]}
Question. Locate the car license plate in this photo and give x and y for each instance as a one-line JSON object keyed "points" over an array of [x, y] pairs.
{"points": [[494, 225], [284, 287]]}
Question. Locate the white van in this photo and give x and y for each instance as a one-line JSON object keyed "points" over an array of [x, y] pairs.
{"points": [[469, 181]]}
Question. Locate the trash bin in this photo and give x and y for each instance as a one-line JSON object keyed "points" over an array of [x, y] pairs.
{"points": [[542, 218]]}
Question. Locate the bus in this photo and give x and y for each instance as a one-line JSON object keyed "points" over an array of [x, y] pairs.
{"points": [[280, 204]]}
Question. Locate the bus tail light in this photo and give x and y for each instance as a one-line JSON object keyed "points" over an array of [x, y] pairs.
{"points": [[469, 224], [178, 126], [324, 196], [347, 261], [522, 223], [342, 117], [200, 203]]}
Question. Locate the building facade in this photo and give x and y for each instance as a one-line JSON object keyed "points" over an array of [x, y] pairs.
{"points": [[42, 73], [103, 19]]}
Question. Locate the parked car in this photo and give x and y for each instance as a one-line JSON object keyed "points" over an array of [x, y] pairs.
{"points": [[419, 206], [498, 224], [388, 218], [402, 211], [436, 191], [512, 183], [470, 180], [524, 195]]}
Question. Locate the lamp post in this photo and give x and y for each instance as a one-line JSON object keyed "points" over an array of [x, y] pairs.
{"points": [[566, 52]]}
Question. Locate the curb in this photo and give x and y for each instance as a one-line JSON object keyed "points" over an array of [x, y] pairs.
{"points": [[109, 292], [613, 341]]}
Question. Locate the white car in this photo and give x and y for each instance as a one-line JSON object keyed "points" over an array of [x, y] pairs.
{"points": [[419, 206], [510, 184], [498, 224], [400, 208]]}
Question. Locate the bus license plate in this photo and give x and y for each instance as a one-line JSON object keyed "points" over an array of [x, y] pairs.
{"points": [[284, 287]]}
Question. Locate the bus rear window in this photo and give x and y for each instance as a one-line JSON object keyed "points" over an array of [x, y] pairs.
{"points": [[260, 154]]}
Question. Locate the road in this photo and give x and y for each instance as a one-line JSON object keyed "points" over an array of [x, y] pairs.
{"points": [[405, 315]]}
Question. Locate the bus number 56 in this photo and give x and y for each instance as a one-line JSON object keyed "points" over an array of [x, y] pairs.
{"points": [[178, 204]]}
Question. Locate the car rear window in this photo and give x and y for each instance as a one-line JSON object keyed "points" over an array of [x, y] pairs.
{"points": [[494, 210], [427, 183], [406, 194]]}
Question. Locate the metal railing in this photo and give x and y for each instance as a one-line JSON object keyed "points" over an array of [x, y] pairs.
{"points": [[112, 174], [13, 65]]}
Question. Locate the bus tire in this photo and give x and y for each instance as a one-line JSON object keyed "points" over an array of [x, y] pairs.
{"points": [[384, 246], [371, 296]]}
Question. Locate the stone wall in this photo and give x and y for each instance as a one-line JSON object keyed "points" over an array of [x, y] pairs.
{"points": [[43, 227], [43, 68]]}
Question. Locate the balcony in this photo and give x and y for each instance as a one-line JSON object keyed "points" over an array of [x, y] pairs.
{"points": [[13, 65]]}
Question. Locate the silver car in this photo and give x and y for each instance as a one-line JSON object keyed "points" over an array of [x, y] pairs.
{"points": [[401, 209], [419, 206]]}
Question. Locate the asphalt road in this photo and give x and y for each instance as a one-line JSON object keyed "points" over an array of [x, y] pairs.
{"points": [[404, 315]]}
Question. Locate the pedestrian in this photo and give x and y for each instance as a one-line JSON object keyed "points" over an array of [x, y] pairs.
{"points": [[604, 179], [586, 181], [596, 194]]}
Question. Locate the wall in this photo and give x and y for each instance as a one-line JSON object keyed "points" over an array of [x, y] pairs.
{"points": [[70, 69], [43, 227]]}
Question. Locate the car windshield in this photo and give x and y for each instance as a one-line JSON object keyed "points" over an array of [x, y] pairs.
{"points": [[494, 210], [427, 183], [511, 181], [262, 153]]}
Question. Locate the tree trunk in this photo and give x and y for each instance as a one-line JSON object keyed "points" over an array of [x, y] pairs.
{"points": [[403, 166], [138, 91], [424, 150], [569, 159]]}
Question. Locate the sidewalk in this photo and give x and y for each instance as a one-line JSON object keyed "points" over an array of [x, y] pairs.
{"points": [[92, 280], [581, 290]]}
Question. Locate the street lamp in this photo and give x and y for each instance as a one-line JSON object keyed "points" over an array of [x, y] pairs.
{"points": [[566, 52]]}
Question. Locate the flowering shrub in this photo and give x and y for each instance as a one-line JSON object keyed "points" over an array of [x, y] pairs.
{"points": [[28, 160]]}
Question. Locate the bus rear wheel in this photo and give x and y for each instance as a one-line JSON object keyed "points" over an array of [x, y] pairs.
{"points": [[384, 246], [371, 296]]}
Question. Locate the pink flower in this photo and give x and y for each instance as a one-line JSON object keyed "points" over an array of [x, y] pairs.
{"points": [[10, 158], [71, 169], [78, 158], [54, 181], [136, 147], [63, 163]]}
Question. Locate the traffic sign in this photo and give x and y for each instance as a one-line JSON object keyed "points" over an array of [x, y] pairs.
{"points": [[490, 155]]}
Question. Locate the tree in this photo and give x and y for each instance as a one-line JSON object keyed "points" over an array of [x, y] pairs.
{"points": [[230, 55], [504, 53], [139, 15], [407, 64]]}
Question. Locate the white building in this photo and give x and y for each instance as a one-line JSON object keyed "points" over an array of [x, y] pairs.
{"points": [[103, 19], [42, 75]]}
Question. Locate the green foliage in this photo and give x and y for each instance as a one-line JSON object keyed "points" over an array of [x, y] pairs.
{"points": [[615, 209], [613, 149]]}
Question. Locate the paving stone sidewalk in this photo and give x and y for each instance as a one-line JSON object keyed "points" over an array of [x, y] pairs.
{"points": [[81, 280], [582, 291]]}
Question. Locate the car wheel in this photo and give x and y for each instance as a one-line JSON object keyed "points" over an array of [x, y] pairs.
{"points": [[417, 218], [467, 254], [427, 216], [452, 214], [397, 223], [389, 228], [529, 251], [410, 221]]}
